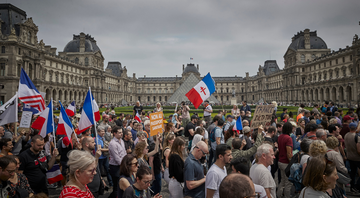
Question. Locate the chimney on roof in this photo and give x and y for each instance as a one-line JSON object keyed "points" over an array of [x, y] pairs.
{"points": [[183, 67], [144, 76], [247, 74], [134, 75], [307, 38], [82, 42], [197, 66]]}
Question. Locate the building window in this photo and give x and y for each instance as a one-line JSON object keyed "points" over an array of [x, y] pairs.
{"points": [[336, 61], [160, 98], [138, 98], [3, 49], [227, 98], [19, 51], [130, 98], [29, 37], [221, 98], [86, 61], [30, 71], [154, 98], [165, 98], [302, 58], [350, 57], [18, 70], [2, 69], [148, 98], [343, 59], [303, 69], [344, 72], [77, 60], [242, 90], [330, 63]]}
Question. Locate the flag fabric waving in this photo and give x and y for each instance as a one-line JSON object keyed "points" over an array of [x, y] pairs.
{"points": [[28, 93], [239, 124], [137, 117], [201, 91], [45, 122], [54, 174], [9, 111], [90, 113], [71, 109], [64, 126]]}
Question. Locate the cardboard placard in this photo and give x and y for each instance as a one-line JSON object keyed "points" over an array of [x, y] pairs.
{"points": [[262, 116], [25, 119], [156, 123]]}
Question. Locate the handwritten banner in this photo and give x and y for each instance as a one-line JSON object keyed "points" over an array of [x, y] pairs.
{"points": [[25, 119], [262, 116], [156, 123]]}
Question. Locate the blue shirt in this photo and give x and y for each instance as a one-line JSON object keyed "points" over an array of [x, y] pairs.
{"points": [[193, 171], [133, 133], [101, 142]]}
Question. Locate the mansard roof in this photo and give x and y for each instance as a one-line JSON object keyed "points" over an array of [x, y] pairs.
{"points": [[158, 79]]}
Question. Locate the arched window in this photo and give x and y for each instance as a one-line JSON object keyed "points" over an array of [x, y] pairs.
{"points": [[3, 49], [302, 58], [77, 60], [86, 61], [165, 98], [148, 98], [313, 56], [154, 98]]}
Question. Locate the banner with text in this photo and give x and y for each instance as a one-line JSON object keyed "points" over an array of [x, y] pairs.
{"points": [[262, 116], [156, 123]]}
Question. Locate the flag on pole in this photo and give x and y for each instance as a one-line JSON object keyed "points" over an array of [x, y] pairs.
{"points": [[90, 113], [9, 111], [137, 117], [45, 122], [239, 124], [54, 174], [64, 126], [191, 59], [201, 91], [28, 93], [71, 109]]}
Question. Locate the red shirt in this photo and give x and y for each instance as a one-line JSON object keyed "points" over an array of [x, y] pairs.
{"points": [[283, 141], [73, 192]]}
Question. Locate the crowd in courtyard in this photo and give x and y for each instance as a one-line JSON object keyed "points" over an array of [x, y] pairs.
{"points": [[308, 153]]}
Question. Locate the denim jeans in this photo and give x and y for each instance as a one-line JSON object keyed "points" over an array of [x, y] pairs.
{"points": [[105, 164], [156, 185]]}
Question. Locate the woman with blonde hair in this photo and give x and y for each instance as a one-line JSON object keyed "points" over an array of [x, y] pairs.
{"points": [[317, 148], [158, 108], [166, 153], [176, 168], [82, 167], [235, 111]]}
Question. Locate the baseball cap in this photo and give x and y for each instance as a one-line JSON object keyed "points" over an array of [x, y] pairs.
{"points": [[353, 125], [230, 116], [194, 117], [246, 129], [165, 122], [347, 117]]}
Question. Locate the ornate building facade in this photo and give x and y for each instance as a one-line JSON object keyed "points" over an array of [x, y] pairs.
{"points": [[312, 73]]}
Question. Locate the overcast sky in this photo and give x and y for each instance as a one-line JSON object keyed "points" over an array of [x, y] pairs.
{"points": [[226, 38]]}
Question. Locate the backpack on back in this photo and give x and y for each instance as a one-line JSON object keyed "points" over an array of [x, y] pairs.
{"points": [[212, 135], [295, 176]]}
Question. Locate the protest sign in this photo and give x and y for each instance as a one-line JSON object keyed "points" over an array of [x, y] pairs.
{"points": [[156, 123], [25, 119], [262, 116]]}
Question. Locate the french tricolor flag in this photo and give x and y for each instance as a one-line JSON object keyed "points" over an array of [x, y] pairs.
{"points": [[64, 126], [45, 122], [201, 91], [70, 110], [54, 174], [90, 113], [137, 117]]}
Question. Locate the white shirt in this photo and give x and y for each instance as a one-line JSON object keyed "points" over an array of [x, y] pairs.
{"points": [[209, 108], [214, 178], [260, 175]]}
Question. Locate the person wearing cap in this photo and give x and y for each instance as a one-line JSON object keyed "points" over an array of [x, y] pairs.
{"points": [[230, 121], [190, 128], [346, 121], [352, 144], [207, 113]]}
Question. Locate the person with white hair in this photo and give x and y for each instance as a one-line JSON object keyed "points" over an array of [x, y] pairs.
{"points": [[259, 174]]}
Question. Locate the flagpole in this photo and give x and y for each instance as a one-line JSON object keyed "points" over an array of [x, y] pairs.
{"points": [[92, 110], [53, 124]]}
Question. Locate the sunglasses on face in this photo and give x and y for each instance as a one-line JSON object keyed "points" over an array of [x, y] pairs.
{"points": [[201, 150]]}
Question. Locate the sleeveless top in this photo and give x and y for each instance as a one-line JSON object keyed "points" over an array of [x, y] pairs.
{"points": [[121, 192]]}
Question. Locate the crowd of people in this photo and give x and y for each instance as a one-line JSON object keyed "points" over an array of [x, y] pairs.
{"points": [[311, 153]]}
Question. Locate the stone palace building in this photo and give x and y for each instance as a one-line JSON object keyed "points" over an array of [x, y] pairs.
{"points": [[312, 72]]}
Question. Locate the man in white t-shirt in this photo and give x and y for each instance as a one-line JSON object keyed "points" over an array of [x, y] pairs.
{"points": [[216, 137], [241, 165], [217, 172], [207, 113], [259, 174]]}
